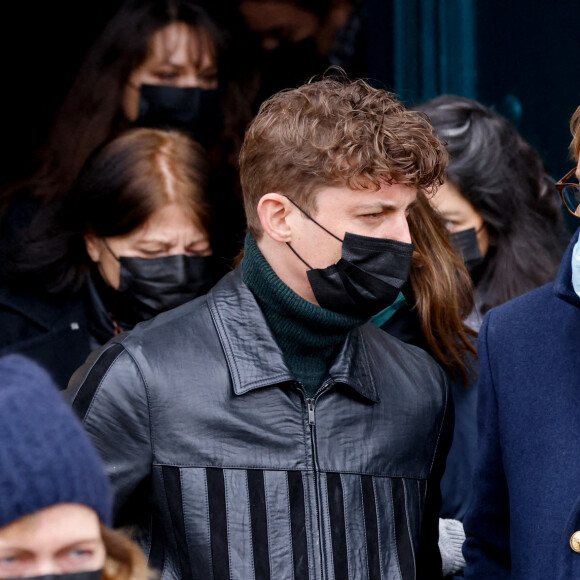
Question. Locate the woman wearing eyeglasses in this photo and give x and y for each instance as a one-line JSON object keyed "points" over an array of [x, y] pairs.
{"points": [[524, 521]]}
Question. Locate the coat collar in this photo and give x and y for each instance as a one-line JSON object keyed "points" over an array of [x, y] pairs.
{"points": [[44, 310], [253, 356], [563, 284]]}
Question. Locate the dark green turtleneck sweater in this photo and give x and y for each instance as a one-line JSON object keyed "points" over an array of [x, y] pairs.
{"points": [[308, 335]]}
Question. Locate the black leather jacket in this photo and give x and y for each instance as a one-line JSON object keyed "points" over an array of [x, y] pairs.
{"points": [[245, 477]]}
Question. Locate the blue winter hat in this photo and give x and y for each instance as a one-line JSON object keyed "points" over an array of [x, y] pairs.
{"points": [[46, 458]]}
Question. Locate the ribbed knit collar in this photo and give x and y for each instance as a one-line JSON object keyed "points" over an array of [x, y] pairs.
{"points": [[308, 335]]}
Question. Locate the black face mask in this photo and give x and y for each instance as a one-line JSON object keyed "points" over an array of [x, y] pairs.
{"points": [[466, 245], [289, 65], [193, 110], [149, 286], [92, 575], [367, 278]]}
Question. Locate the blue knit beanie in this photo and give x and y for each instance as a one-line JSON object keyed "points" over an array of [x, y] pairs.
{"points": [[46, 458]]}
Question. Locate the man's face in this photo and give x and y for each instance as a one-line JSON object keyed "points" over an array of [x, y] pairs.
{"points": [[376, 214]]}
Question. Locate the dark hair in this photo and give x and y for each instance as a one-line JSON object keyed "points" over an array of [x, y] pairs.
{"points": [[91, 113], [504, 178], [120, 186]]}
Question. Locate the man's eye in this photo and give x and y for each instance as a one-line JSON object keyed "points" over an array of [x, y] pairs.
{"points": [[79, 554]]}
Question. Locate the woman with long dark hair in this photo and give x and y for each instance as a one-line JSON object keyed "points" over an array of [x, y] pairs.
{"points": [[501, 211], [158, 63], [500, 205], [129, 241]]}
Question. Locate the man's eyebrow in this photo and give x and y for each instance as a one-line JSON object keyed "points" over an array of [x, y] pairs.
{"points": [[377, 205]]}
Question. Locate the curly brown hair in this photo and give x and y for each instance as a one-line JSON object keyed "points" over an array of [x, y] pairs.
{"points": [[335, 132]]}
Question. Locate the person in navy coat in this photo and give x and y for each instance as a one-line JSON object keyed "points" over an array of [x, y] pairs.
{"points": [[524, 520]]}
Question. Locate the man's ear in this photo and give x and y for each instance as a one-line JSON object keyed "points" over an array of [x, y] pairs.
{"points": [[94, 247], [275, 212]]}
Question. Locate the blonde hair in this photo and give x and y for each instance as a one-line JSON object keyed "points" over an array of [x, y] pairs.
{"points": [[124, 559], [335, 132]]}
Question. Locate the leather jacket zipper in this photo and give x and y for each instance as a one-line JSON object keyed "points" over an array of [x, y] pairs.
{"points": [[311, 404], [311, 421]]}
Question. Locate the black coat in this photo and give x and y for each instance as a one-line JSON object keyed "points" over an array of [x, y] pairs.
{"points": [[53, 332]]}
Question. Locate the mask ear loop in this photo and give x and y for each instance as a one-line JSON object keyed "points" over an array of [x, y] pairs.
{"points": [[312, 219], [109, 248], [319, 225], [299, 257], [101, 272], [116, 326]]}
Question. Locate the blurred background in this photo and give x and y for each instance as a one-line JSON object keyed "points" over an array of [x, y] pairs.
{"points": [[517, 56]]}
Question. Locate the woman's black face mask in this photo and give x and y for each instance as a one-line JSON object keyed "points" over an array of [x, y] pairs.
{"points": [[91, 575], [158, 284], [149, 286], [466, 245], [193, 110], [367, 278]]}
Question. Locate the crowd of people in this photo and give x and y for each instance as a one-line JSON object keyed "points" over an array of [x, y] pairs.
{"points": [[302, 331]]}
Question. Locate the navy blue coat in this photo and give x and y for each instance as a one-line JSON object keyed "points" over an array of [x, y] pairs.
{"points": [[526, 501]]}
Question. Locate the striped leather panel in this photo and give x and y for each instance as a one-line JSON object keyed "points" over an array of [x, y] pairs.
{"points": [[254, 524]]}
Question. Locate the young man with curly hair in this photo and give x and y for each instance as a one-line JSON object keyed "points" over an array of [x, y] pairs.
{"points": [[268, 430]]}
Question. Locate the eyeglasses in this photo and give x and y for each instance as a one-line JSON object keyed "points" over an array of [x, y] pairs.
{"points": [[570, 193]]}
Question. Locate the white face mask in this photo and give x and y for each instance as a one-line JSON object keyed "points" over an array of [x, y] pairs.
{"points": [[576, 267]]}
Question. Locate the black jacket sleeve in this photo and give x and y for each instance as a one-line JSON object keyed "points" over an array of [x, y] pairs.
{"points": [[110, 396]]}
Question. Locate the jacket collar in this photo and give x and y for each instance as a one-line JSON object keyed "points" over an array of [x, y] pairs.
{"points": [[563, 284], [44, 310], [253, 356]]}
